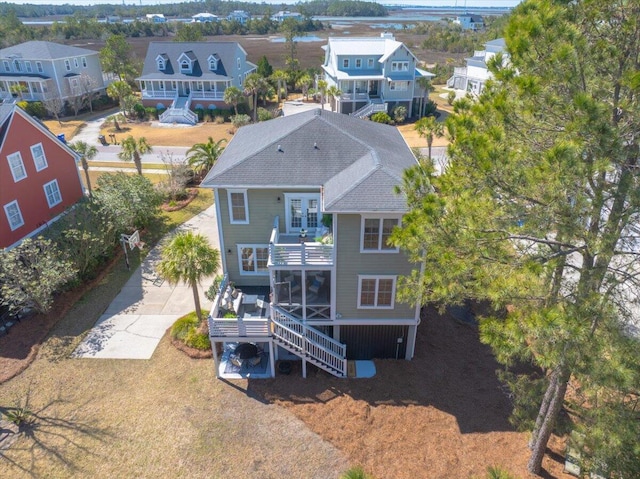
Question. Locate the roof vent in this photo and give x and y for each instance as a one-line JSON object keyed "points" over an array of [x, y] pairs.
{"points": [[315, 145], [280, 148]]}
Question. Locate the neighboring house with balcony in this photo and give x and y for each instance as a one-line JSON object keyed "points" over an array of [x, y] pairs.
{"points": [[470, 22], [305, 207], [39, 177], [475, 74], [282, 15], [37, 70], [373, 74], [205, 18], [182, 76], [239, 16], [156, 18]]}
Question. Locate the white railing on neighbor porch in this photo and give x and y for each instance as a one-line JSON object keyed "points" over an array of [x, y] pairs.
{"points": [[154, 94], [309, 343], [282, 254], [207, 95], [357, 96]]}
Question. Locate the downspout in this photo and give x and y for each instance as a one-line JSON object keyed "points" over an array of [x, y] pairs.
{"points": [[223, 253]]}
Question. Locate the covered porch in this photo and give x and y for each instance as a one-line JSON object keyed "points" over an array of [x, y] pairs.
{"points": [[25, 88], [170, 89]]}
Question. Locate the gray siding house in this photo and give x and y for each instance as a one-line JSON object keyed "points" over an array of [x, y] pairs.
{"points": [[182, 76], [373, 74], [38, 70], [305, 206]]}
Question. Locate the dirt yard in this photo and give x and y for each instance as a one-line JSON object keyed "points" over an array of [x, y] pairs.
{"points": [[171, 135]]}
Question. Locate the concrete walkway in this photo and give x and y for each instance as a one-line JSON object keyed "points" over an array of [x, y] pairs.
{"points": [[139, 316]]}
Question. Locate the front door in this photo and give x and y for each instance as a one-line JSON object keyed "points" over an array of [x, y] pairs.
{"points": [[302, 211]]}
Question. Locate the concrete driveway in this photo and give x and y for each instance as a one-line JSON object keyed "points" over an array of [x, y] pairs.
{"points": [[140, 314]]}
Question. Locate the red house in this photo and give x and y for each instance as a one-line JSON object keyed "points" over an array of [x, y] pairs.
{"points": [[39, 177]]}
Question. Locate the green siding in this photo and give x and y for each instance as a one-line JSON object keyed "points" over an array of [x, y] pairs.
{"points": [[351, 263], [263, 208]]}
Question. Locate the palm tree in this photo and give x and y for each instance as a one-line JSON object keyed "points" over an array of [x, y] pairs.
{"points": [[322, 89], [425, 85], [254, 84], [119, 90], [429, 128], [189, 258], [333, 92], [202, 156], [280, 76], [87, 152], [233, 96], [132, 149], [304, 83]]}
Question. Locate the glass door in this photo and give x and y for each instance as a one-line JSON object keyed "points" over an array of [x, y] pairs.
{"points": [[303, 211]]}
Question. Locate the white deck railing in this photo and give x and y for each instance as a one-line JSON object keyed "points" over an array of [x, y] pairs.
{"points": [[284, 254], [308, 342], [207, 95]]}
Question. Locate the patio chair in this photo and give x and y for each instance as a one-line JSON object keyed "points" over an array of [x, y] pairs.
{"points": [[317, 283]]}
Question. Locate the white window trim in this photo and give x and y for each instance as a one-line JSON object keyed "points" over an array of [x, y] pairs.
{"points": [[24, 170], [39, 67], [358, 63], [27, 66], [239, 64], [44, 187], [239, 249], [400, 66], [6, 212], [380, 219], [7, 65], [160, 63], [377, 277], [394, 85], [84, 62], [75, 63], [44, 157], [246, 207], [345, 63], [17, 66], [370, 63], [67, 65]]}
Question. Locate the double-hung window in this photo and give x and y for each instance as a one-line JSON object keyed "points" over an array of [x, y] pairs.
{"points": [[67, 65], [52, 192], [238, 207], [27, 66], [75, 63], [39, 67], [358, 62], [39, 158], [345, 63], [14, 216], [375, 234], [84, 62], [253, 259], [17, 166], [376, 291]]}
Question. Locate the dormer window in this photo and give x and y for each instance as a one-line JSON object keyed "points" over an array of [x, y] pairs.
{"points": [[16, 65], [213, 63], [186, 61], [161, 63]]}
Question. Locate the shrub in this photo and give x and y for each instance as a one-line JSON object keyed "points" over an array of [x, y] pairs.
{"points": [[151, 113], [381, 117], [264, 114], [34, 108], [430, 108], [240, 120], [200, 113], [400, 113], [451, 97], [187, 329], [355, 473], [219, 120]]}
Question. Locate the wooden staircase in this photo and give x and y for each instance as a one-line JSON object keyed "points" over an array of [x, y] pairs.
{"points": [[308, 343]]}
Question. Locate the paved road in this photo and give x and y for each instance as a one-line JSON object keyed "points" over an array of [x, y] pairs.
{"points": [[90, 132]]}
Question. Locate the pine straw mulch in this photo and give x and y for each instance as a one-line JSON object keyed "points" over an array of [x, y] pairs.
{"points": [[193, 353], [19, 347], [442, 415]]}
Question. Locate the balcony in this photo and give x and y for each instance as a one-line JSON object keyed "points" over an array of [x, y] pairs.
{"points": [[288, 250]]}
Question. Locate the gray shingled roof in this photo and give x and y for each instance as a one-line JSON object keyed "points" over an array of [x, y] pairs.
{"points": [[356, 162], [40, 50], [227, 53]]}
